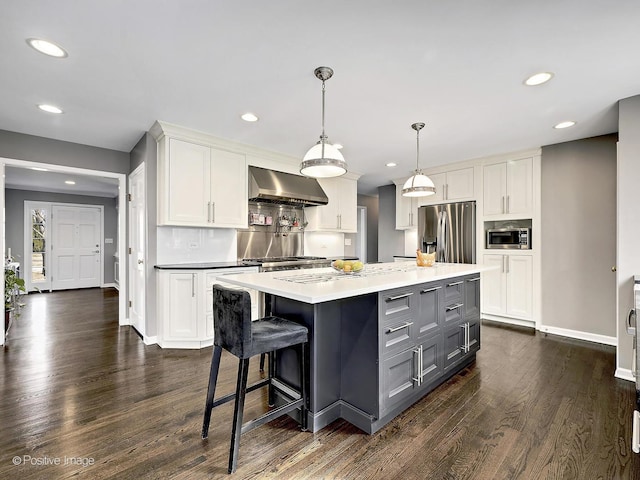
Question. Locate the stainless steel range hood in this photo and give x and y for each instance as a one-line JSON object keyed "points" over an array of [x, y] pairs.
{"points": [[284, 188]]}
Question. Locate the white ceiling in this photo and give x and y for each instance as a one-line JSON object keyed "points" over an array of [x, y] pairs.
{"points": [[28, 179], [457, 66]]}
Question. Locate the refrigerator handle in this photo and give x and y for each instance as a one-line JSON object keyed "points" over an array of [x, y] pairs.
{"points": [[441, 256]]}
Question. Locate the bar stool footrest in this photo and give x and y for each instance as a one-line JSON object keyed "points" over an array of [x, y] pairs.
{"points": [[271, 415]]}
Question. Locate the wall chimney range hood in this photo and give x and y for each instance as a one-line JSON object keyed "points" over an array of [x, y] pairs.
{"points": [[284, 188]]}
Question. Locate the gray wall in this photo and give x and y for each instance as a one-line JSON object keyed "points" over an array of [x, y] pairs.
{"points": [[14, 222], [390, 240], [145, 152], [372, 225], [578, 229], [628, 262], [38, 149]]}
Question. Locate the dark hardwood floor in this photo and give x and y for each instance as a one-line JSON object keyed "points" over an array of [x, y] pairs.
{"points": [[78, 388]]}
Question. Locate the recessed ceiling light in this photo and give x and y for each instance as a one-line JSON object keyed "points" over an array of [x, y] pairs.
{"points": [[38, 169], [69, 182], [249, 117], [391, 164], [567, 124], [47, 48], [538, 79], [49, 108]]}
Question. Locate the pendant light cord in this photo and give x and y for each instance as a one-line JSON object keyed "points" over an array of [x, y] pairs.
{"points": [[323, 137], [417, 150]]}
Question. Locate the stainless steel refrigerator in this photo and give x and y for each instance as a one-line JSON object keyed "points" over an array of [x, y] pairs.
{"points": [[449, 229]]}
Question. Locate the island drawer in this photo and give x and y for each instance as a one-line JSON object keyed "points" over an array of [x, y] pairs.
{"points": [[396, 304], [453, 290], [397, 336]]}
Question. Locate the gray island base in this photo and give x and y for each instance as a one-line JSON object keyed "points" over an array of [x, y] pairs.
{"points": [[374, 354]]}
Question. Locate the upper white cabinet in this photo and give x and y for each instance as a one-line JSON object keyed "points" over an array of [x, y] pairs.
{"points": [[341, 213], [452, 186], [508, 188], [407, 210], [200, 186]]}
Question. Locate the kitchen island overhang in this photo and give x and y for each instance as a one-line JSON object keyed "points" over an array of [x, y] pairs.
{"points": [[379, 341]]}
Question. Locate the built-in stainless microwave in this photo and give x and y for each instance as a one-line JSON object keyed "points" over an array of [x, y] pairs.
{"points": [[519, 238]]}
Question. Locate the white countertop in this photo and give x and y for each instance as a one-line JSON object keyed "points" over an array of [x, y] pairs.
{"points": [[319, 285]]}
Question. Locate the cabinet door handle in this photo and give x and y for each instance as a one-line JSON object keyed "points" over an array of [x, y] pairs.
{"points": [[475, 279], [398, 297], [508, 209], [208, 212], [504, 269], [503, 209], [465, 341], [213, 212], [454, 307], [507, 263], [427, 290], [417, 368], [447, 191], [193, 287], [454, 284], [395, 329]]}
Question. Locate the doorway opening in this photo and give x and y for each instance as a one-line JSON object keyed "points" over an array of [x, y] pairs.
{"points": [[118, 178]]}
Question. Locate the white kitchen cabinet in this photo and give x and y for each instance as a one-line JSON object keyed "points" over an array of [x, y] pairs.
{"points": [[201, 186], [181, 309], [407, 210], [341, 213], [452, 186], [507, 291], [508, 188], [185, 305]]}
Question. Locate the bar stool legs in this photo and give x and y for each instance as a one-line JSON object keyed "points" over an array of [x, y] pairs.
{"points": [[236, 432], [238, 428], [211, 389]]}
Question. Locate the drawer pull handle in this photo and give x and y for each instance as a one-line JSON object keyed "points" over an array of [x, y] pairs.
{"points": [[398, 297], [454, 284], [395, 329], [473, 279], [427, 290], [454, 307]]}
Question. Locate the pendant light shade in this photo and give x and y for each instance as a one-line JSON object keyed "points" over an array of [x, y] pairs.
{"points": [[418, 185], [323, 160]]}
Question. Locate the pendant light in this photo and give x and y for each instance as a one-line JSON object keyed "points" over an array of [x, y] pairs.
{"points": [[323, 160], [418, 185]]}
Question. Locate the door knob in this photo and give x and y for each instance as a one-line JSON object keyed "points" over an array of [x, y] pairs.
{"points": [[613, 269], [140, 262]]}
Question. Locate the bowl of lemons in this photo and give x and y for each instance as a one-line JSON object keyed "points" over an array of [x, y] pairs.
{"points": [[348, 266]]}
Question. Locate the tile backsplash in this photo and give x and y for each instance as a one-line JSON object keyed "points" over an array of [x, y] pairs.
{"points": [[187, 245]]}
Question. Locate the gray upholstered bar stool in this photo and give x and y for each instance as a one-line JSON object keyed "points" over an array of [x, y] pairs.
{"points": [[236, 333]]}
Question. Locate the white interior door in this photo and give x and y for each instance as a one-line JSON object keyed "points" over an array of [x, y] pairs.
{"points": [[137, 241], [76, 246]]}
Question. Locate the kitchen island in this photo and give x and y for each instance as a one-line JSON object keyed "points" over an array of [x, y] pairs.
{"points": [[379, 340]]}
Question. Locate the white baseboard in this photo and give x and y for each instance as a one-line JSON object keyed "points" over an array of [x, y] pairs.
{"points": [[624, 374], [509, 321], [109, 285], [589, 337], [150, 340]]}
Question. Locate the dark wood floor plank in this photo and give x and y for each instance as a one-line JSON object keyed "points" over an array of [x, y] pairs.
{"points": [[74, 383]]}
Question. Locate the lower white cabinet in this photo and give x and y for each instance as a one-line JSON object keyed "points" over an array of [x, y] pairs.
{"points": [[508, 290], [185, 305]]}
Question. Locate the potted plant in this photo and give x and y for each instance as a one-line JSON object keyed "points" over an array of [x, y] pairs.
{"points": [[13, 287]]}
